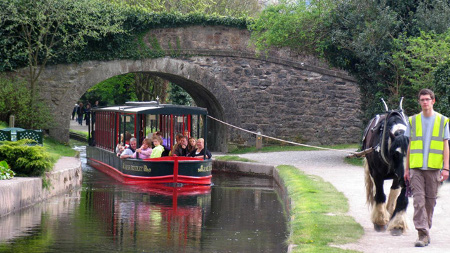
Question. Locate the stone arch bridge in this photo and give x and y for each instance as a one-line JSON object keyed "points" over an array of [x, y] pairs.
{"points": [[284, 95]]}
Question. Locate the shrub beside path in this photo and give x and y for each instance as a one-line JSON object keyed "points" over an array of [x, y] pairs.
{"points": [[349, 180]]}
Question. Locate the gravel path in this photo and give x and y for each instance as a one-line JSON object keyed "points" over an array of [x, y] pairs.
{"points": [[349, 180]]}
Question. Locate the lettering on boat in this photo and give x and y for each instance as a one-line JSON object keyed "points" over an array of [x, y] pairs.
{"points": [[143, 168], [205, 168]]}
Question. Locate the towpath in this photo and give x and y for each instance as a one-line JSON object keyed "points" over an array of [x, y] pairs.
{"points": [[349, 180]]}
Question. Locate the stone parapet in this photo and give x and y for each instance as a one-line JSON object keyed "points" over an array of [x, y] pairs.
{"points": [[19, 193]]}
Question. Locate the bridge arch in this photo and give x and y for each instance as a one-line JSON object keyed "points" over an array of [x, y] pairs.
{"points": [[283, 94]]}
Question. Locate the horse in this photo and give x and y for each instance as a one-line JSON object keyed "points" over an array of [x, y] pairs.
{"points": [[384, 137]]}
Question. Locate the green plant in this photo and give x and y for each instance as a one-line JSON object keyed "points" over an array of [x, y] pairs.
{"points": [[15, 101], [233, 158], [25, 160], [5, 171]]}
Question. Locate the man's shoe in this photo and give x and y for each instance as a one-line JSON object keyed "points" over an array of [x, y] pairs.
{"points": [[423, 239]]}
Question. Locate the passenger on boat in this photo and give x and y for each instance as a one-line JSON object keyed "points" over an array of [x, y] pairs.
{"points": [[191, 145], [201, 151], [178, 139], [128, 152], [164, 143], [158, 149], [120, 147], [181, 149], [144, 151]]}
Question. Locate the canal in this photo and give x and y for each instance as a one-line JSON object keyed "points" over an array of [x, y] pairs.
{"points": [[236, 214]]}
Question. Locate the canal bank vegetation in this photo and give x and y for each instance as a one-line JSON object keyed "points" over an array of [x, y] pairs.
{"points": [[318, 214], [234, 158], [33, 160], [282, 148]]}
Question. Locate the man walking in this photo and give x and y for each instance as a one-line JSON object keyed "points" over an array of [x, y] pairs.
{"points": [[427, 162]]}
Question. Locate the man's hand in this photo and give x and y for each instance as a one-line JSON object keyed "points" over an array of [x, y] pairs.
{"points": [[406, 176], [444, 175]]}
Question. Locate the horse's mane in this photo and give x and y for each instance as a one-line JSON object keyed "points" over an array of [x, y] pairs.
{"points": [[400, 140]]}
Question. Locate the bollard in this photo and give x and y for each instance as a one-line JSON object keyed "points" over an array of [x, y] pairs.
{"points": [[258, 141], [11, 121]]}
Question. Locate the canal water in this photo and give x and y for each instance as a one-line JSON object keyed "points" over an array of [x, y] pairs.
{"points": [[236, 214]]}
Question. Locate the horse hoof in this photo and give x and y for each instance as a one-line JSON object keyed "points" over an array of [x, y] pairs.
{"points": [[379, 228], [396, 231]]}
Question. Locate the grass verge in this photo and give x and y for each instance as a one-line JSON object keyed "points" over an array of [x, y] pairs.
{"points": [[233, 158], [289, 148], [318, 215], [57, 149]]}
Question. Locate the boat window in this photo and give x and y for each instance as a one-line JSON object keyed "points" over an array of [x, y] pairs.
{"points": [[126, 126]]}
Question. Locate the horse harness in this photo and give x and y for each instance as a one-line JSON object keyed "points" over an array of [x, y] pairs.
{"points": [[377, 127]]}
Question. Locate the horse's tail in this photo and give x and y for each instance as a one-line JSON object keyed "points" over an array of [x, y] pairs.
{"points": [[369, 184]]}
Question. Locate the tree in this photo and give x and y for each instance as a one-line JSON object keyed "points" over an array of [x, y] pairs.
{"points": [[114, 91], [150, 87], [301, 26], [38, 31], [178, 96], [15, 101], [235, 8]]}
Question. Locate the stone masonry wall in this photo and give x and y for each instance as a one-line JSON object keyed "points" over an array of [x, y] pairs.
{"points": [[282, 94], [286, 102]]}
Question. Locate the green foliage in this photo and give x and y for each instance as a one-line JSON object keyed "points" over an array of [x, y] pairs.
{"points": [[25, 160], [178, 96], [233, 158], [5, 171], [235, 8], [442, 88], [301, 26], [114, 91], [15, 101], [38, 31], [318, 213], [415, 60]]}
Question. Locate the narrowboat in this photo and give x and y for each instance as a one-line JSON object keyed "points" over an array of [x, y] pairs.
{"points": [[140, 120]]}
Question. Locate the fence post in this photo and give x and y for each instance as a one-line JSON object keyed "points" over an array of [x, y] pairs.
{"points": [[258, 141], [11, 121]]}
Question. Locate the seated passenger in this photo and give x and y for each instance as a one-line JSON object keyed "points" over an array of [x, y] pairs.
{"points": [[178, 139], [163, 143], [200, 151], [181, 149], [158, 149], [128, 152], [191, 145], [144, 151]]}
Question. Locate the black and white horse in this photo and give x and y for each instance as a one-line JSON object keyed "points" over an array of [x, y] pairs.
{"points": [[385, 136]]}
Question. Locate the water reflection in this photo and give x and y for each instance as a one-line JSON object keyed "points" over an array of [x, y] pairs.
{"points": [[237, 214]]}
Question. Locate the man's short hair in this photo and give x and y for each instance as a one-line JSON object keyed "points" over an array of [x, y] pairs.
{"points": [[133, 139], [423, 92]]}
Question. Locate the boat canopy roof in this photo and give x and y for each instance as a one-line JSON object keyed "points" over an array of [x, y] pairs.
{"points": [[154, 108]]}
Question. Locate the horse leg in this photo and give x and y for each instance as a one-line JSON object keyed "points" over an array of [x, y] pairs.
{"points": [[393, 195], [398, 224], [380, 216]]}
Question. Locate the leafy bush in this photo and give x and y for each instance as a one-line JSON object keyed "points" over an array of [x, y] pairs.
{"points": [[5, 171], [25, 160], [16, 100], [442, 88]]}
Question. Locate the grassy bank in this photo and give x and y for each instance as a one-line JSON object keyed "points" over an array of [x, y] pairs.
{"points": [[318, 217], [281, 148], [233, 158]]}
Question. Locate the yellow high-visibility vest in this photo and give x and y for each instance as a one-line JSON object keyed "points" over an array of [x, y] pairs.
{"points": [[436, 151]]}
